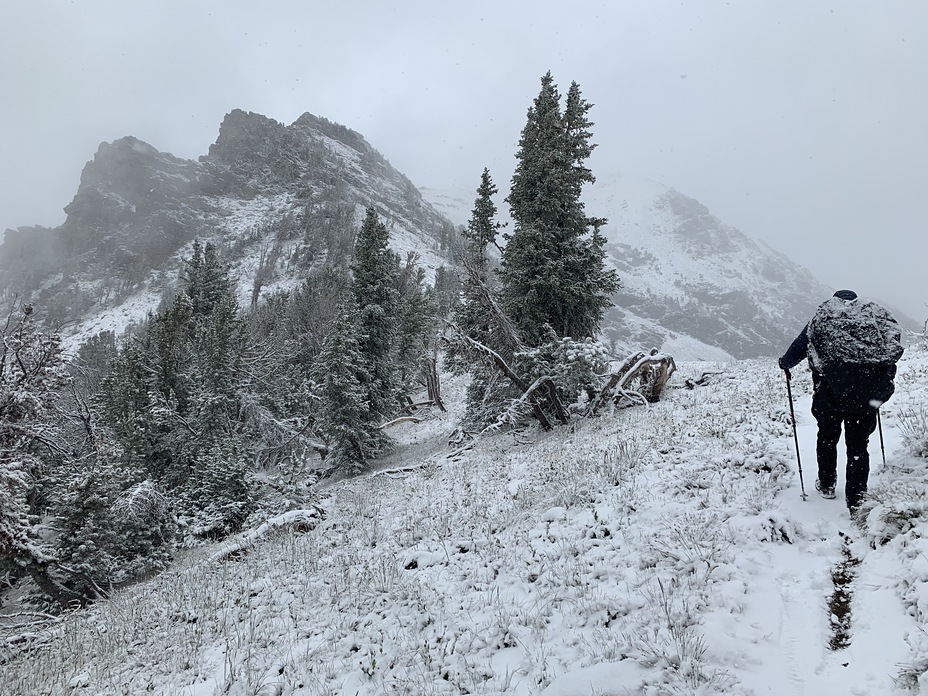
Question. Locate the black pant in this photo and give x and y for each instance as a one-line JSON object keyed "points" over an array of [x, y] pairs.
{"points": [[857, 430]]}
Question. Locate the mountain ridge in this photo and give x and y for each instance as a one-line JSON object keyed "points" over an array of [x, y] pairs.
{"points": [[688, 280], [299, 189], [691, 284]]}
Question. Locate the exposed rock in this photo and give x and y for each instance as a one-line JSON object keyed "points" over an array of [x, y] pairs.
{"points": [[137, 209]]}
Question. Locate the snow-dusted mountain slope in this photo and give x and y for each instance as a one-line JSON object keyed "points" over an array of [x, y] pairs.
{"points": [[689, 281], [264, 190], [688, 272], [657, 551]]}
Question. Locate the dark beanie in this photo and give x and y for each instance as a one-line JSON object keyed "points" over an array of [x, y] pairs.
{"points": [[846, 295]]}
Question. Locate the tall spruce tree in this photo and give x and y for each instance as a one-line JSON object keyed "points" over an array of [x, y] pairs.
{"points": [[553, 266], [377, 301], [482, 227], [489, 391], [344, 416], [415, 325], [470, 314]]}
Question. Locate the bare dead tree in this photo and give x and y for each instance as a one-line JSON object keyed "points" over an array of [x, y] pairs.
{"points": [[640, 378], [432, 380], [267, 262]]}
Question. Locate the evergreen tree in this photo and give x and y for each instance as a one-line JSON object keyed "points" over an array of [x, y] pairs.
{"points": [[94, 362], [219, 495], [206, 279], [447, 288], [489, 391], [128, 408], [553, 267], [578, 134], [344, 416], [482, 227], [215, 338], [32, 376], [470, 315], [415, 325], [376, 298]]}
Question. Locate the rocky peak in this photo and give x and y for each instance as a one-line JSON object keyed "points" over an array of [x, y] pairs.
{"points": [[246, 137], [300, 187], [127, 178], [335, 131]]}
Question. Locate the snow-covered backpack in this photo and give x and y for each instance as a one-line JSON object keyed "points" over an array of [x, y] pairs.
{"points": [[854, 345]]}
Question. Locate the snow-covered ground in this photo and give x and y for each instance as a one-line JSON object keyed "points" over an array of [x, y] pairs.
{"points": [[653, 551]]}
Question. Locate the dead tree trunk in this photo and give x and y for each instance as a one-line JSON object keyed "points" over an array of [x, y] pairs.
{"points": [[433, 383], [61, 595], [529, 394], [639, 378]]}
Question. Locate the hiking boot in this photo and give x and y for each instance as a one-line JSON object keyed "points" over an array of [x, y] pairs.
{"points": [[826, 491]]}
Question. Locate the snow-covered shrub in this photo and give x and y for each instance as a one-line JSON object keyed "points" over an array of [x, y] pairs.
{"points": [[894, 509], [575, 366], [913, 425], [583, 476], [915, 672], [112, 528], [218, 495], [695, 543], [673, 642]]}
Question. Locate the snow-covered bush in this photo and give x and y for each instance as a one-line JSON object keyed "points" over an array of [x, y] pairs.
{"points": [[112, 528], [913, 425], [219, 494], [576, 366], [673, 642]]}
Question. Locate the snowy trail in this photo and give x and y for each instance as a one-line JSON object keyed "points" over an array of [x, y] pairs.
{"points": [[795, 624]]}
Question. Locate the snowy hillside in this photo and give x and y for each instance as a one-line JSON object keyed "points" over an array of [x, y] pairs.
{"points": [[293, 194], [247, 228], [691, 285], [657, 551]]}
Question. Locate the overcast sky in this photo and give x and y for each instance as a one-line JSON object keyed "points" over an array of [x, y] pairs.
{"points": [[804, 123]]}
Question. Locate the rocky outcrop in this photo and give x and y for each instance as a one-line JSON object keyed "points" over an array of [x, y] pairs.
{"points": [[136, 209]]}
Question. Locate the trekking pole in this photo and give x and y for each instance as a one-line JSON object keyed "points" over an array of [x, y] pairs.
{"points": [[879, 422], [792, 415]]}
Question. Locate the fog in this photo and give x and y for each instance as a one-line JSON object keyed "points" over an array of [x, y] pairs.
{"points": [[801, 122]]}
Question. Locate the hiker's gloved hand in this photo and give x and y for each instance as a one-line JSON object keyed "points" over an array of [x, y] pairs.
{"points": [[783, 367]]}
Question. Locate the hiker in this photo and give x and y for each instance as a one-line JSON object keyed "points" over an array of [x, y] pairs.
{"points": [[852, 347]]}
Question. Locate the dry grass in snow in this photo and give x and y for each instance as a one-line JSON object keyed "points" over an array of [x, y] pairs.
{"points": [[659, 550]]}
